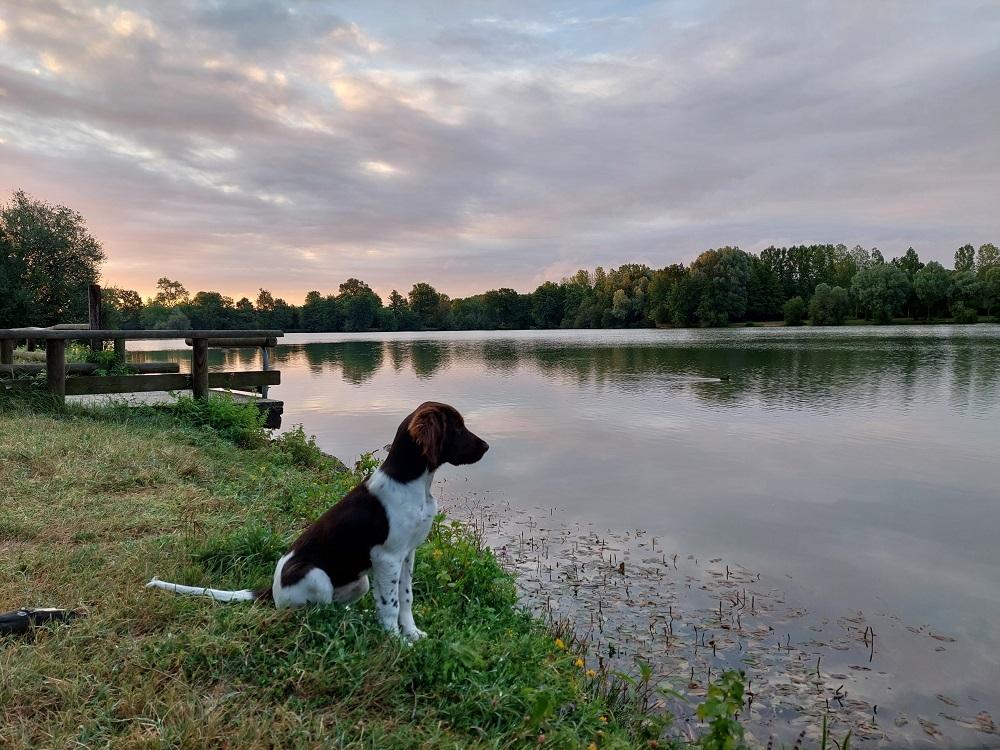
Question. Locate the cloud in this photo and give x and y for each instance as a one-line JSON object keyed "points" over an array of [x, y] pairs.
{"points": [[280, 144]]}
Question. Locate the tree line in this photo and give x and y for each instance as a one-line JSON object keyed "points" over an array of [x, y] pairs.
{"points": [[47, 258]]}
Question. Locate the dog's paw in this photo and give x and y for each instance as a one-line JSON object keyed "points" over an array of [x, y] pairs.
{"points": [[412, 636], [152, 582]]}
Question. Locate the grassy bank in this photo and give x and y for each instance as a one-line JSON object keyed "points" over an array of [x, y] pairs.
{"points": [[96, 502]]}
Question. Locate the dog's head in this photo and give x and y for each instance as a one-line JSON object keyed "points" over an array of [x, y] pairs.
{"points": [[442, 437]]}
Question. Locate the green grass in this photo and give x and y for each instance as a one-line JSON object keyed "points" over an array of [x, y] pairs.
{"points": [[98, 501]]}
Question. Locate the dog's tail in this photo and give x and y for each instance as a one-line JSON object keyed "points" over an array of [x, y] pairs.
{"points": [[219, 595]]}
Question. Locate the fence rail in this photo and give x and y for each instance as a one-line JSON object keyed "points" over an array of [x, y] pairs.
{"points": [[159, 377]]}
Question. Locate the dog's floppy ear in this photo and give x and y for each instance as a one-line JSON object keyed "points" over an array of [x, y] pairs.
{"points": [[428, 427]]}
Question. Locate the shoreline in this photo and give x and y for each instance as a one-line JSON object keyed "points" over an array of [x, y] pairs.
{"points": [[108, 497]]}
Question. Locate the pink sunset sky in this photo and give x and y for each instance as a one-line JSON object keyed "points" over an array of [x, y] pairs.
{"points": [[291, 145]]}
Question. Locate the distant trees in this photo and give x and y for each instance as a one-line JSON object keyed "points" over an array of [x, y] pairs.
{"points": [[991, 288], [721, 286], [427, 303], [548, 305], [965, 258], [358, 305], [987, 257], [320, 313], [829, 306], [794, 311], [723, 291], [881, 290], [932, 284], [505, 308], [123, 308], [47, 261], [764, 293], [171, 293]]}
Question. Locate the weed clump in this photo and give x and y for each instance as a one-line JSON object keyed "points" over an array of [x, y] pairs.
{"points": [[239, 423]]}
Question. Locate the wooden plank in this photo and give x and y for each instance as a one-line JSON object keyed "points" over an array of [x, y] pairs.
{"points": [[88, 368], [55, 367], [199, 368], [71, 327], [99, 384], [96, 318], [6, 351], [248, 379], [234, 342], [50, 333]]}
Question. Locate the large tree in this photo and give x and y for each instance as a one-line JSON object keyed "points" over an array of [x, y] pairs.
{"points": [[210, 310], [47, 261], [988, 257], [425, 302], [828, 306], [122, 308], [764, 295], [991, 288], [881, 289], [359, 305], [724, 296], [171, 293], [548, 304], [965, 258], [932, 284]]}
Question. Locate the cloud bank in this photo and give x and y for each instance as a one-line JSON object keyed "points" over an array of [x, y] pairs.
{"points": [[239, 144]]}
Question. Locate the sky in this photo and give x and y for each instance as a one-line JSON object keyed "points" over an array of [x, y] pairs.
{"points": [[238, 144]]}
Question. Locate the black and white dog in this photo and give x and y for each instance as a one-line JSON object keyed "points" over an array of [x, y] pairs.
{"points": [[375, 529]]}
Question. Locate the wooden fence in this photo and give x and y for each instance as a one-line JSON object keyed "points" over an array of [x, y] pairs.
{"points": [[158, 377]]}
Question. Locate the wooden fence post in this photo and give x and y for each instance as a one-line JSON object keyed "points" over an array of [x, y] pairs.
{"points": [[55, 367], [199, 368], [120, 350], [7, 352], [96, 322]]}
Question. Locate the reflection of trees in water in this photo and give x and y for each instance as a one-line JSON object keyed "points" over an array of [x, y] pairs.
{"points": [[821, 373], [427, 357], [358, 360], [974, 373], [218, 359], [397, 352]]}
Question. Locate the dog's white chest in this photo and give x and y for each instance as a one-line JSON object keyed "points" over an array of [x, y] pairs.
{"points": [[409, 507]]}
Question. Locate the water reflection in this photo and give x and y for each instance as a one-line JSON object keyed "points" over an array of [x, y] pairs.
{"points": [[799, 372], [787, 373]]}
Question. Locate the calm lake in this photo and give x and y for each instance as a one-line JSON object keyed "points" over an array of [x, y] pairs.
{"points": [[855, 470]]}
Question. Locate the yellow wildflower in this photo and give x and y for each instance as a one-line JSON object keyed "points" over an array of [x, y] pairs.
{"points": [[560, 644], [579, 662], [592, 746], [591, 673], [604, 719], [438, 554]]}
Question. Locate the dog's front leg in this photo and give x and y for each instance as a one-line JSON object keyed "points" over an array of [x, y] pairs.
{"points": [[410, 630], [386, 574]]}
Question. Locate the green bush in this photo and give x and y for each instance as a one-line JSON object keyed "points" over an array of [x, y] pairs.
{"points": [[962, 314], [239, 423], [794, 311], [108, 363], [301, 449]]}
